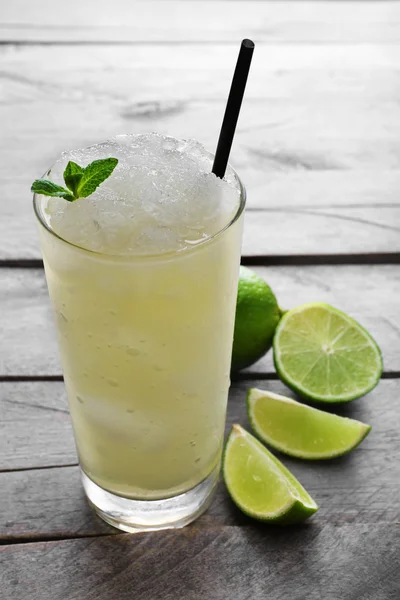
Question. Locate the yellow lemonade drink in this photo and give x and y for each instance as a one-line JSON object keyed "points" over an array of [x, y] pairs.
{"points": [[143, 276]]}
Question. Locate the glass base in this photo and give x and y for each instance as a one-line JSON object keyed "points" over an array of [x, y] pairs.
{"points": [[151, 515]]}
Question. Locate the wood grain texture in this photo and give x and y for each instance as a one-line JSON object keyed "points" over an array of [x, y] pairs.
{"points": [[317, 143], [177, 21], [353, 562], [369, 293], [46, 503], [289, 232], [35, 426], [318, 149]]}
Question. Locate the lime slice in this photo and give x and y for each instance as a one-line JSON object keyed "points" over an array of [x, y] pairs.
{"points": [[299, 430], [259, 483], [324, 355]]}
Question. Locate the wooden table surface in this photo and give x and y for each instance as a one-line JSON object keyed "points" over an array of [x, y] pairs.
{"points": [[318, 146]]}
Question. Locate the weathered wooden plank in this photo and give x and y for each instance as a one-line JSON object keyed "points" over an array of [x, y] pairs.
{"points": [[26, 324], [360, 488], [350, 562], [289, 232], [46, 503], [35, 426], [177, 21], [369, 293], [302, 188], [194, 71], [317, 130]]}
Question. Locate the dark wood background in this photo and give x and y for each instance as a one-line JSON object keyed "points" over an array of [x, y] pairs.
{"points": [[318, 146]]}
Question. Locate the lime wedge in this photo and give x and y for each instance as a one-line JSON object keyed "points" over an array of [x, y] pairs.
{"points": [[324, 355], [299, 430], [260, 485]]}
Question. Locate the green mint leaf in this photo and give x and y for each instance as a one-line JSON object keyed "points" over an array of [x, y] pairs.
{"points": [[72, 176], [48, 188], [81, 181], [94, 174]]}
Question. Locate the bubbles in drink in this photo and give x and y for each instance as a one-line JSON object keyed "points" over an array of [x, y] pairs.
{"points": [[162, 197], [112, 382], [133, 351]]}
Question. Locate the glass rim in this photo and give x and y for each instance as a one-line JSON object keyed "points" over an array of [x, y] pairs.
{"points": [[143, 257]]}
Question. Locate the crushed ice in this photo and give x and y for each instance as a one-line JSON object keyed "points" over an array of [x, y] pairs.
{"points": [[162, 197]]}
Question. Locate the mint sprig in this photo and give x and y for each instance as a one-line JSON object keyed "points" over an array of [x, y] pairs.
{"points": [[80, 181]]}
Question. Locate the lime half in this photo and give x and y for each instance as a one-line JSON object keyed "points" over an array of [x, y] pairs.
{"points": [[259, 483], [324, 355], [299, 430]]}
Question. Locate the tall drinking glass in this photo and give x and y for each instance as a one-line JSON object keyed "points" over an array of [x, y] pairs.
{"points": [[145, 343]]}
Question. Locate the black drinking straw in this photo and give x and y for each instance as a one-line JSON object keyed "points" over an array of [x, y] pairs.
{"points": [[233, 108]]}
